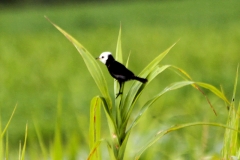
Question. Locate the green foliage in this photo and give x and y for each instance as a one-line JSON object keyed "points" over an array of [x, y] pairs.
{"points": [[231, 148], [57, 150], [43, 148], [118, 122], [4, 146], [37, 63], [22, 149], [95, 128]]}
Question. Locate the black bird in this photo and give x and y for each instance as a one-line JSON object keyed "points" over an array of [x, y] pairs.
{"points": [[118, 70]]}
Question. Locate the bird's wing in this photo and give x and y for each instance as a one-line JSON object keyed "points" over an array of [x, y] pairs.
{"points": [[119, 71]]}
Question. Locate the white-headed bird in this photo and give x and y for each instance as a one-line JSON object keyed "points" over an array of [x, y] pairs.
{"points": [[118, 70]]}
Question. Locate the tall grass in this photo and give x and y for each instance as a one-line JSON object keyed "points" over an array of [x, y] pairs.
{"points": [[4, 143], [119, 115], [55, 67], [231, 145], [36, 63]]}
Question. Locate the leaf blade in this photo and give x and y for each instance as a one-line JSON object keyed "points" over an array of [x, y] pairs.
{"points": [[91, 63], [160, 134], [134, 91], [95, 127]]}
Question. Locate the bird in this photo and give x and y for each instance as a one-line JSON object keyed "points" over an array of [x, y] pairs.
{"points": [[118, 70]]}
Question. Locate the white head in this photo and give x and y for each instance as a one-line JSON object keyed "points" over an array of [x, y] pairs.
{"points": [[104, 56]]}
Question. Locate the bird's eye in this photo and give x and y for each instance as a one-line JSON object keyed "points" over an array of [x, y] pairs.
{"points": [[102, 56]]}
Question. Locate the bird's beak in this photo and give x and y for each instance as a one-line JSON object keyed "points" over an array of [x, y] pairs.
{"points": [[97, 58]]}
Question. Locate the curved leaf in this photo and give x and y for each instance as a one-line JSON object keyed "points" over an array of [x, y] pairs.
{"points": [[171, 87], [214, 90], [95, 127], [24, 144], [94, 153], [160, 134], [231, 140], [119, 58], [8, 123], [135, 91], [112, 126], [91, 64], [152, 100]]}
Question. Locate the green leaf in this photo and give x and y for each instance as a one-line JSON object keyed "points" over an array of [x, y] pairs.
{"points": [[24, 145], [155, 61], [119, 58], [112, 126], [122, 148], [95, 127], [97, 144], [94, 154], [110, 151], [40, 140], [157, 70], [160, 134], [128, 59], [146, 106], [181, 73], [137, 87], [91, 64], [171, 87], [231, 144], [8, 123], [57, 142], [214, 90], [186, 76], [7, 148], [235, 85]]}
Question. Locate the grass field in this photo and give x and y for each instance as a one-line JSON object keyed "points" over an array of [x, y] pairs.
{"points": [[40, 69]]}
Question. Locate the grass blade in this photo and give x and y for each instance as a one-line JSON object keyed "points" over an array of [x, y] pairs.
{"points": [[171, 87], [231, 144], [95, 127], [146, 106], [155, 61], [214, 90], [94, 154], [119, 58], [40, 140], [186, 76], [128, 59], [7, 147], [20, 151], [6, 127], [160, 134], [151, 76], [136, 88], [91, 64], [1, 141], [57, 143], [112, 126], [110, 151], [235, 85], [24, 145]]}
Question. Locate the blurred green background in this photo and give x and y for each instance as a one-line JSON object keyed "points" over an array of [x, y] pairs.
{"points": [[38, 66]]}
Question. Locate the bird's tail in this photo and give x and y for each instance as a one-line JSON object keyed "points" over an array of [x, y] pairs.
{"points": [[143, 80]]}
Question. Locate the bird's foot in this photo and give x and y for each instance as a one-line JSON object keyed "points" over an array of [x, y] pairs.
{"points": [[118, 94]]}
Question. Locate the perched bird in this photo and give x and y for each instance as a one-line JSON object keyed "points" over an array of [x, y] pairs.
{"points": [[118, 70]]}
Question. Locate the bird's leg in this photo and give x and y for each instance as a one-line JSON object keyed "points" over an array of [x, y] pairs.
{"points": [[120, 87]]}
